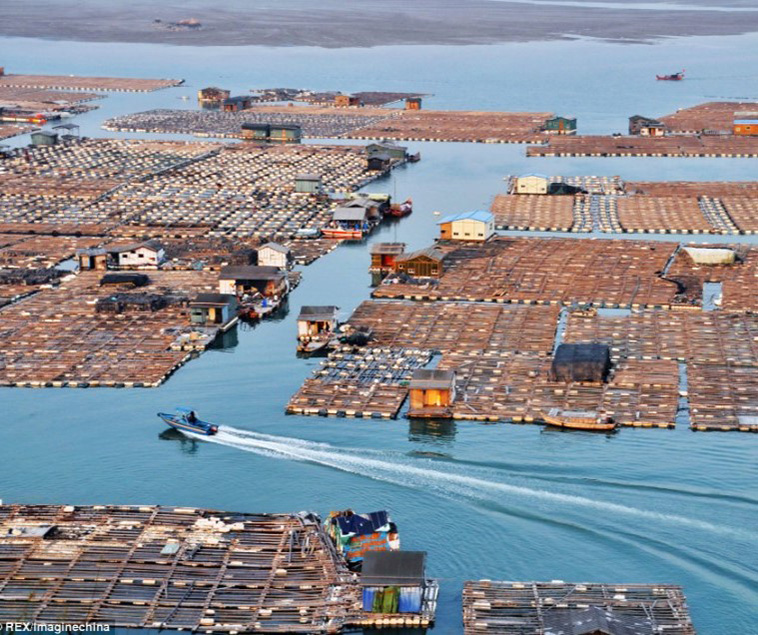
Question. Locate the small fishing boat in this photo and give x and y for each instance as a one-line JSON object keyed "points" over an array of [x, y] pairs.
{"points": [[674, 77], [185, 420], [398, 210], [579, 420]]}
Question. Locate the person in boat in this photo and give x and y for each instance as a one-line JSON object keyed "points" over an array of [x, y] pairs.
{"points": [[192, 417]]}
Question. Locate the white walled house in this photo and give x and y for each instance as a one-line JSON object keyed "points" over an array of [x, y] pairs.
{"points": [[274, 255]]}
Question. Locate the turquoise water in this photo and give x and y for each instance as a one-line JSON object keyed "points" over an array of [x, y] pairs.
{"points": [[486, 501]]}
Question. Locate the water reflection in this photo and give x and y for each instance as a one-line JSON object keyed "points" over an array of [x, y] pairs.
{"points": [[431, 430], [186, 445], [225, 341]]}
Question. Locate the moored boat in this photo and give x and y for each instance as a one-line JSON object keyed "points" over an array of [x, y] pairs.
{"points": [[399, 210], [185, 420], [579, 420]]}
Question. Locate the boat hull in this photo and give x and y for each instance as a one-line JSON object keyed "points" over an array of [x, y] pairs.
{"points": [[345, 234], [183, 426], [580, 424]]}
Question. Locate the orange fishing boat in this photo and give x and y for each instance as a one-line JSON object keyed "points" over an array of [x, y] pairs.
{"points": [[579, 420]]}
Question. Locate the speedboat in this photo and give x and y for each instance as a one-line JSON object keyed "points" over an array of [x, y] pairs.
{"points": [[186, 420]]}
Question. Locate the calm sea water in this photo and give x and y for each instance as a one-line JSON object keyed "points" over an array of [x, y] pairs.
{"points": [[486, 501]]}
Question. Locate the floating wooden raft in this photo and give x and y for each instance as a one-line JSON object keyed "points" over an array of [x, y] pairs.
{"points": [[171, 568], [515, 608]]}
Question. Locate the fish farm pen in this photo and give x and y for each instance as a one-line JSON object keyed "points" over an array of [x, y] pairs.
{"points": [[712, 116], [171, 568], [726, 146], [70, 82], [8, 130], [550, 608], [348, 123], [182, 568]]}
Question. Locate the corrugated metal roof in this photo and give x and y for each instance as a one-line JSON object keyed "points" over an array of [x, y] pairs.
{"points": [[249, 272], [426, 378], [212, 299], [387, 248], [478, 215], [276, 247], [393, 568], [429, 252], [349, 214], [318, 313]]}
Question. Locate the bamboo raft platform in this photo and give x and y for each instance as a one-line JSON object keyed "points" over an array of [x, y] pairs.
{"points": [[712, 116], [515, 608], [8, 130], [515, 388], [458, 125], [558, 271], [173, 568], [348, 123], [69, 82], [57, 337], [448, 326], [534, 212], [370, 383], [604, 185], [669, 146]]}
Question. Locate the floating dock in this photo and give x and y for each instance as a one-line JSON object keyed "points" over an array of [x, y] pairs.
{"points": [[175, 568], [70, 82], [710, 117], [8, 130], [543, 608]]}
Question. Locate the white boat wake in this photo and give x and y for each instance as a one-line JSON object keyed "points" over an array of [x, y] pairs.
{"points": [[446, 483]]}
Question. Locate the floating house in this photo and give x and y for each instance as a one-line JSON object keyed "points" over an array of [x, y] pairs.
{"points": [[531, 184], [286, 133], [92, 259], [478, 226], [214, 309], [746, 127], [308, 184], [351, 223], [424, 263], [212, 96], [270, 282], [394, 583], [256, 131], [432, 393], [44, 138], [354, 535], [275, 255], [384, 255], [236, 104], [560, 125], [316, 326], [413, 103], [646, 127], [390, 148], [346, 101], [379, 162], [581, 363], [144, 254]]}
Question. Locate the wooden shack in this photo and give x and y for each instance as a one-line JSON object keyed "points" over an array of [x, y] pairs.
{"points": [[92, 259], [241, 280], [256, 131], [560, 125], [316, 325], [285, 133], [581, 363], [275, 255], [384, 256], [213, 309], [145, 254], [432, 392], [44, 138], [746, 127], [390, 148], [424, 263], [646, 127], [212, 96], [478, 226], [379, 162], [346, 101], [236, 104], [531, 184], [393, 582], [413, 103], [308, 184]]}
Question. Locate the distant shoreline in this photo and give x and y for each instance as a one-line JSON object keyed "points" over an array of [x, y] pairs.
{"points": [[343, 24]]}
